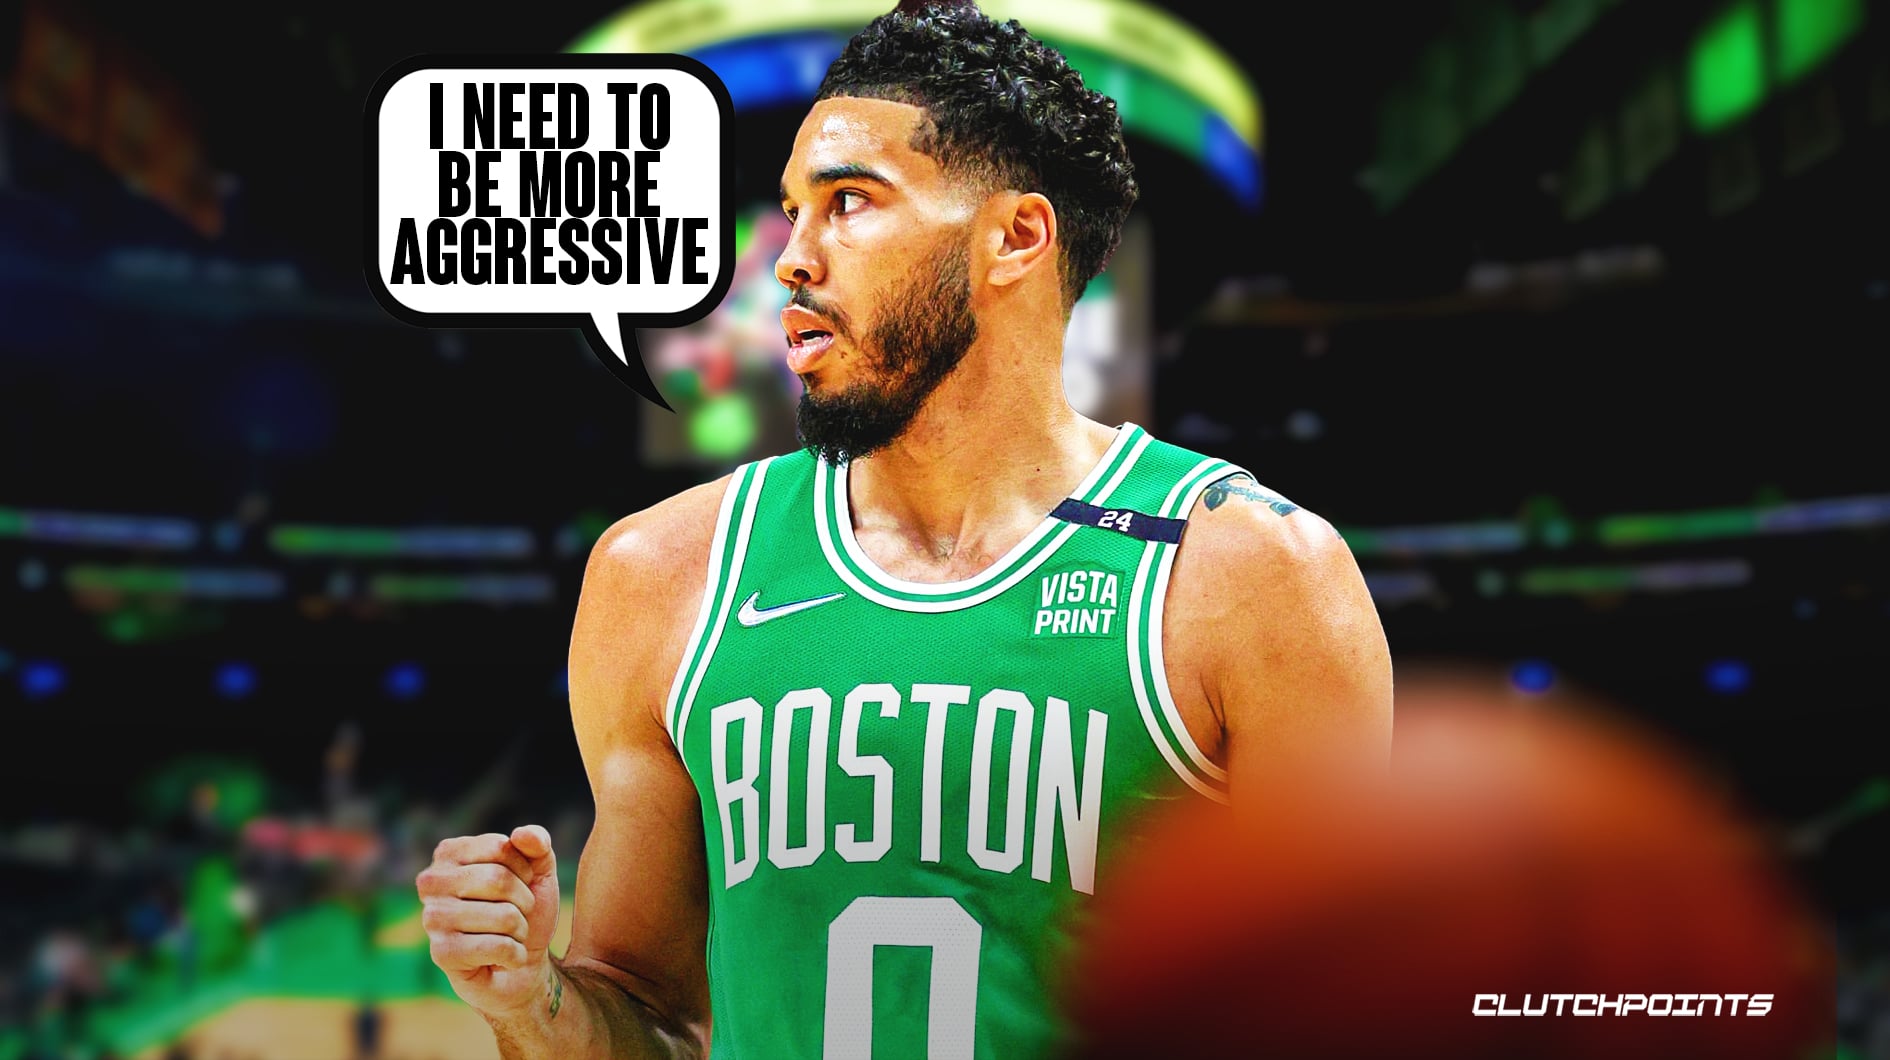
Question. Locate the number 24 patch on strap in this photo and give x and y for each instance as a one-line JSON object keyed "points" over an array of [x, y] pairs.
{"points": [[1136, 524]]}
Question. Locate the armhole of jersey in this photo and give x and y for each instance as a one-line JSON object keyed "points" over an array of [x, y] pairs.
{"points": [[1147, 669], [726, 553]]}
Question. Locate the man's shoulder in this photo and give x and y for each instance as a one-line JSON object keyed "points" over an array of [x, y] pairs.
{"points": [[1232, 513], [675, 530], [1259, 535], [676, 533], [641, 588]]}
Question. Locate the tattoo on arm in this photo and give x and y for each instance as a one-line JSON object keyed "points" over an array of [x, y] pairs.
{"points": [[555, 987], [1244, 487]]}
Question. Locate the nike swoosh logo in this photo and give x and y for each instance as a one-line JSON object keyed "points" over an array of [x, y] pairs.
{"points": [[750, 615]]}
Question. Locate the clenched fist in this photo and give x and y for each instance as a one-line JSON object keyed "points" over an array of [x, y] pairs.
{"points": [[490, 905]]}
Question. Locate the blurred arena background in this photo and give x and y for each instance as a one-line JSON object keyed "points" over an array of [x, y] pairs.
{"points": [[1562, 311]]}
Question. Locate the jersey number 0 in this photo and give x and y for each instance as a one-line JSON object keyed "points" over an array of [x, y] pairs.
{"points": [[940, 924]]}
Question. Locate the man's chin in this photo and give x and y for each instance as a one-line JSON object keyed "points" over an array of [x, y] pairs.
{"points": [[847, 427]]}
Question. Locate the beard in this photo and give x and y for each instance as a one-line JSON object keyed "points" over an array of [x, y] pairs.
{"points": [[913, 346]]}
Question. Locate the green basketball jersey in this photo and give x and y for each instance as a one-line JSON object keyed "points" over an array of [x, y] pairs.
{"points": [[909, 790]]}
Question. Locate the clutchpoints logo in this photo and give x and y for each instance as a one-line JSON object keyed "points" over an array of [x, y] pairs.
{"points": [[1624, 1005]]}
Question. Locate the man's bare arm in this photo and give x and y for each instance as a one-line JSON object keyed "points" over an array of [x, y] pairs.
{"points": [[1275, 651], [633, 982], [624, 986]]}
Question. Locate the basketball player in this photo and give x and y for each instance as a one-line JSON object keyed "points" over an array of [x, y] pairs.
{"points": [[867, 723]]}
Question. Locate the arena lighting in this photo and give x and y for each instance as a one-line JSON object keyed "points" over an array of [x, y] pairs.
{"points": [[1726, 68], [1442, 538], [234, 680], [1800, 517], [456, 541], [404, 680], [202, 582], [724, 425], [1807, 32], [1170, 83], [85, 528], [1728, 676], [1606, 579], [463, 588], [1678, 526], [41, 679], [1532, 676]]}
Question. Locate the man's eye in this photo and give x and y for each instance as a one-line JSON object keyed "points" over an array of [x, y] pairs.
{"points": [[846, 201]]}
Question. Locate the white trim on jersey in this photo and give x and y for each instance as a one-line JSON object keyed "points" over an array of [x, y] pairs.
{"points": [[1145, 641], [1159, 665], [681, 727], [1136, 682], [716, 546], [834, 491]]}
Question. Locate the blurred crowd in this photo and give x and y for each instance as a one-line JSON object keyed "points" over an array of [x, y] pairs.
{"points": [[118, 932]]}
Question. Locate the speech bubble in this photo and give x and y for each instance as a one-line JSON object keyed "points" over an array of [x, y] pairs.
{"points": [[580, 191]]}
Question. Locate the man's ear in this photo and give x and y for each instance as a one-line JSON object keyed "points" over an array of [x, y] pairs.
{"points": [[1024, 233]]}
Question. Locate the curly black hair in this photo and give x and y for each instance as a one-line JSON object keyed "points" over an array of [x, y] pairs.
{"points": [[1004, 109]]}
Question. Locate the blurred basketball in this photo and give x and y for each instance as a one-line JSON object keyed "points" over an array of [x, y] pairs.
{"points": [[1518, 851]]}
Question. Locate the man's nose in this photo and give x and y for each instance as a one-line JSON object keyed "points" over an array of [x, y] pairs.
{"points": [[799, 263]]}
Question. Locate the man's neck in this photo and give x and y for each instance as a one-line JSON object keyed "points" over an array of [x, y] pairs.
{"points": [[978, 469]]}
